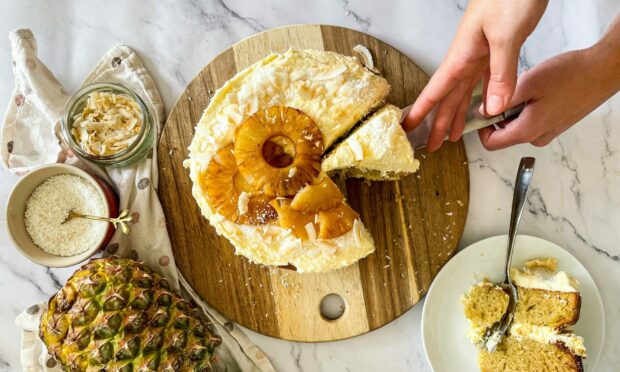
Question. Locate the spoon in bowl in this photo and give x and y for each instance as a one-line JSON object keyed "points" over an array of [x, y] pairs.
{"points": [[494, 334], [122, 220]]}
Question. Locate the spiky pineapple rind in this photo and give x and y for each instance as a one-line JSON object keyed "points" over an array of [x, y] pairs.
{"points": [[140, 321]]}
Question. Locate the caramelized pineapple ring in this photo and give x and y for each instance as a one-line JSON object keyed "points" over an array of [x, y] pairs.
{"points": [[230, 195], [278, 150]]}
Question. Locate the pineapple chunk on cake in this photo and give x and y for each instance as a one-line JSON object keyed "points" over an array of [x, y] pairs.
{"points": [[377, 150]]}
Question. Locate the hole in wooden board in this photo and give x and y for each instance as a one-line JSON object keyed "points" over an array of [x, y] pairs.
{"points": [[332, 306]]}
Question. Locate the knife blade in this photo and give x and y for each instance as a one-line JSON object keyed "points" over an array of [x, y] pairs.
{"points": [[473, 121]]}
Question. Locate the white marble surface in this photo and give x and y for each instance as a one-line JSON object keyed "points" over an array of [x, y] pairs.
{"points": [[576, 198]]}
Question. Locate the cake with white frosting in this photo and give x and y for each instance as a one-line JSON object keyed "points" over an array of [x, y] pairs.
{"points": [[540, 337], [255, 159]]}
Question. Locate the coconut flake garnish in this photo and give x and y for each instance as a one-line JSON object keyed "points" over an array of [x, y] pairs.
{"points": [[298, 74], [366, 57], [288, 246], [311, 231], [356, 147], [314, 252], [292, 172], [329, 249], [330, 74], [242, 203], [357, 232]]}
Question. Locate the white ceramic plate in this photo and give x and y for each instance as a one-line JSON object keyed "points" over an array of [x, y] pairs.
{"points": [[444, 326]]}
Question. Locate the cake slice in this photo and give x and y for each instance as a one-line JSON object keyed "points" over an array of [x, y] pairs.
{"points": [[539, 337], [526, 355], [377, 150]]}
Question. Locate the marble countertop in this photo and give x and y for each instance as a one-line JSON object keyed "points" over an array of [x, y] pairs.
{"points": [[576, 198]]}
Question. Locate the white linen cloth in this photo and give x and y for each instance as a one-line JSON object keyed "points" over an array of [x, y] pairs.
{"points": [[29, 139]]}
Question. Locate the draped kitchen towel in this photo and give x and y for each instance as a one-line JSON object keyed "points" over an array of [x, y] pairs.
{"points": [[29, 138]]}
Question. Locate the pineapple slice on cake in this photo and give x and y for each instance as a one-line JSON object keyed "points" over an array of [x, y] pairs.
{"points": [[317, 211], [322, 195], [302, 224], [336, 221], [231, 195], [278, 150]]}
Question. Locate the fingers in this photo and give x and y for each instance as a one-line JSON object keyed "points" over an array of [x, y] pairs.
{"points": [[512, 134], [458, 124], [502, 77], [442, 82], [446, 111]]}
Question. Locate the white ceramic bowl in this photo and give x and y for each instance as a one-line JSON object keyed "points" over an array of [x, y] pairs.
{"points": [[16, 207]]}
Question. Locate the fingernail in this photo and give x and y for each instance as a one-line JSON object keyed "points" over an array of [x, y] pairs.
{"points": [[494, 105]]}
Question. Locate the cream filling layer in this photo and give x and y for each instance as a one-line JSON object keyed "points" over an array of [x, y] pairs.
{"points": [[543, 279], [542, 334], [549, 335]]}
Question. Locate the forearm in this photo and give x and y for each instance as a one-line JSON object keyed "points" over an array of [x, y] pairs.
{"points": [[606, 55]]}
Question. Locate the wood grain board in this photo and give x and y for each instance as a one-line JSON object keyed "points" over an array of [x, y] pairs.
{"points": [[416, 222]]}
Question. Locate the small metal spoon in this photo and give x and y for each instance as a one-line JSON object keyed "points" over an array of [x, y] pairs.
{"points": [[493, 336], [122, 220]]}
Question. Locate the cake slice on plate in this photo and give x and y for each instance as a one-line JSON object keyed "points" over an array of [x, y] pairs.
{"points": [[539, 338], [377, 150]]}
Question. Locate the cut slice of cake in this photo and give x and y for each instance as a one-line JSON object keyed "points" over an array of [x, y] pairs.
{"points": [[527, 355], [377, 150], [539, 337]]}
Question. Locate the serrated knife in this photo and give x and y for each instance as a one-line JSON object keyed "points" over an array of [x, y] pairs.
{"points": [[473, 121]]}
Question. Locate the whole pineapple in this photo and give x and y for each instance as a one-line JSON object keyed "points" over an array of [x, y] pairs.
{"points": [[116, 314]]}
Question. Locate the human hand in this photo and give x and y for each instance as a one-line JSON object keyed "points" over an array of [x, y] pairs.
{"points": [[559, 92], [486, 46]]}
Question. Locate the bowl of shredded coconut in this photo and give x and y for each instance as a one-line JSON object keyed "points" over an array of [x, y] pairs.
{"points": [[38, 210]]}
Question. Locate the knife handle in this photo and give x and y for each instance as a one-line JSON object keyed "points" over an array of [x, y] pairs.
{"points": [[474, 120]]}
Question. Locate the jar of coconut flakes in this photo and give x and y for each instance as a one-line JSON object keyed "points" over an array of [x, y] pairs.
{"points": [[108, 124]]}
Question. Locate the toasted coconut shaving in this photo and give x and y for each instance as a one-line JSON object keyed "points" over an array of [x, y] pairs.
{"points": [[366, 57], [330, 74], [108, 124]]}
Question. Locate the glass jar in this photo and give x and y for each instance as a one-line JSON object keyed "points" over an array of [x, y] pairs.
{"points": [[129, 156]]}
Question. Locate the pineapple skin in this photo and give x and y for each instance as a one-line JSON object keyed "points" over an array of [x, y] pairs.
{"points": [[117, 314]]}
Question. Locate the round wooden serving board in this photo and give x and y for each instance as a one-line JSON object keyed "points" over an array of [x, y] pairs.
{"points": [[416, 223]]}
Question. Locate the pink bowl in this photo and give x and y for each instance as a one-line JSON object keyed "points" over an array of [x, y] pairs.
{"points": [[16, 207]]}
